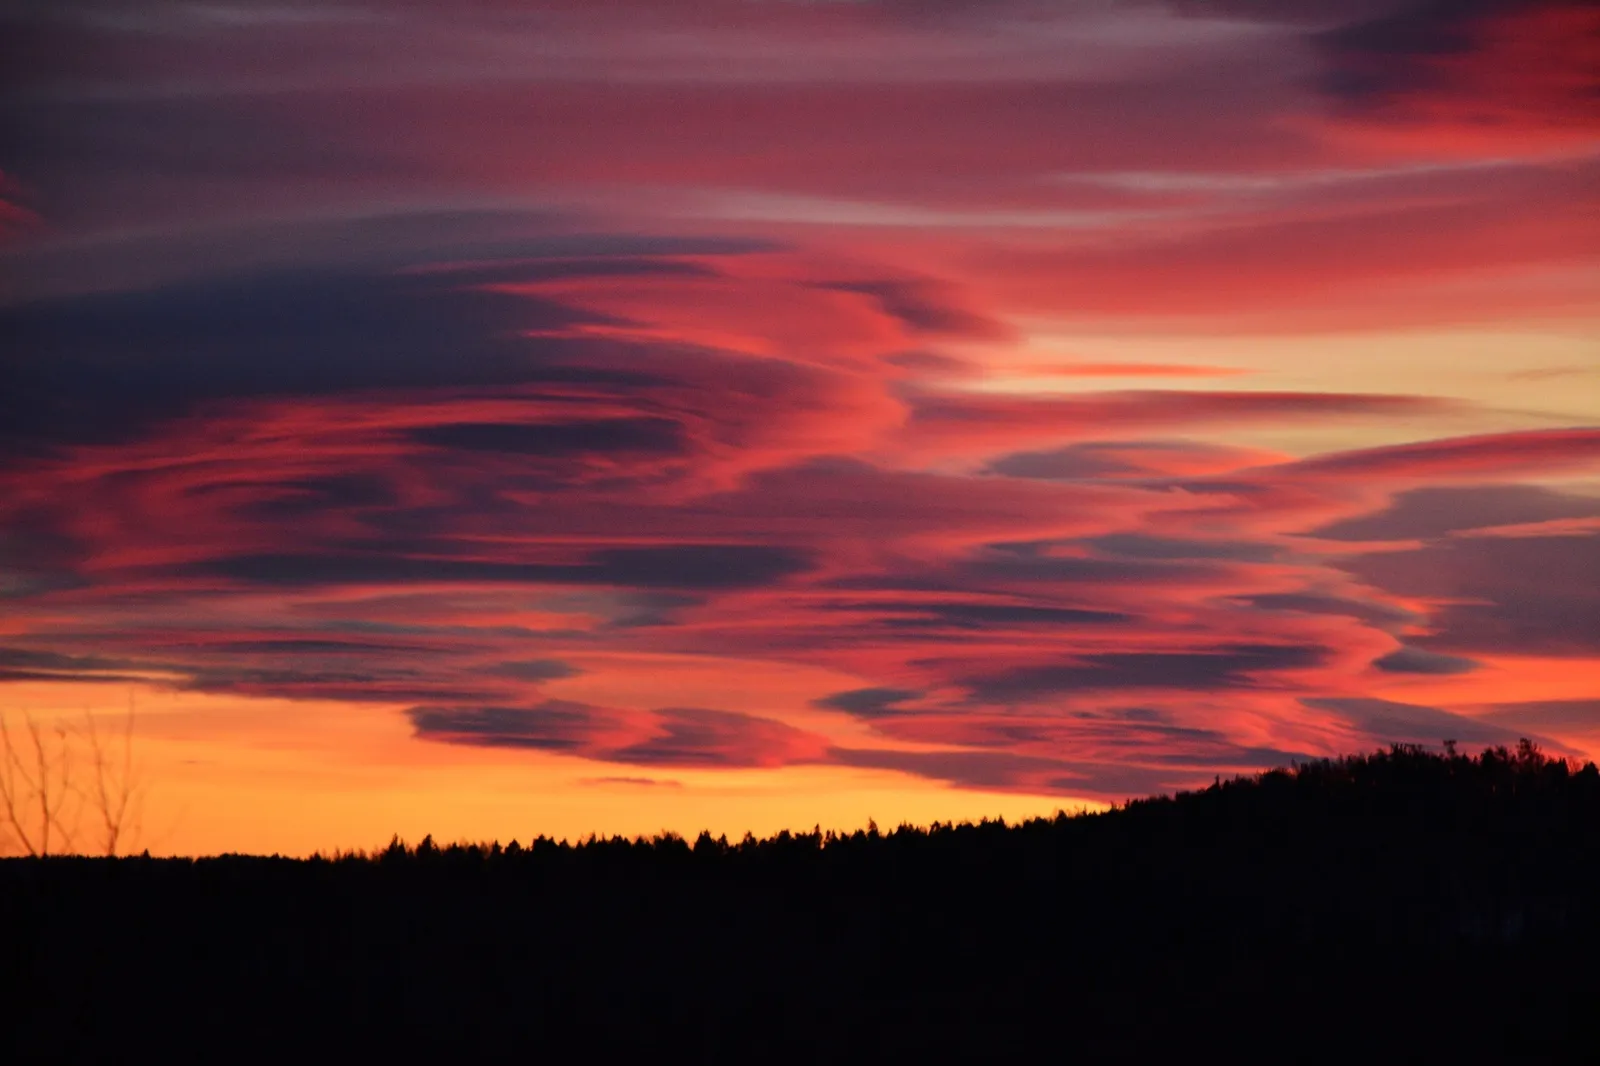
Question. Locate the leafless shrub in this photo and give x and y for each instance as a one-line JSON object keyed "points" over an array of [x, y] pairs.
{"points": [[35, 784], [115, 792], [54, 779]]}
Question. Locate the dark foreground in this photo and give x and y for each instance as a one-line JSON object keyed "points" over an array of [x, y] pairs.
{"points": [[1398, 907]]}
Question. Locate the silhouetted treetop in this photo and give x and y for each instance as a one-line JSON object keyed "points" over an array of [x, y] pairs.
{"points": [[1350, 902]]}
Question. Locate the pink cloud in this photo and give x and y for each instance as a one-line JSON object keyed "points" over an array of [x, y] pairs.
{"points": [[495, 360], [1464, 457]]}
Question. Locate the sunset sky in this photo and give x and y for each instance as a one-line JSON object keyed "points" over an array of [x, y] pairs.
{"points": [[489, 418]]}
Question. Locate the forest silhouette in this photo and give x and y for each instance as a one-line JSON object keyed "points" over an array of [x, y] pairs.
{"points": [[1406, 905]]}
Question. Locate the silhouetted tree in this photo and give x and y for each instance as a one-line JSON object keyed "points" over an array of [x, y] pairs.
{"points": [[36, 766], [115, 789], [55, 778], [1319, 908]]}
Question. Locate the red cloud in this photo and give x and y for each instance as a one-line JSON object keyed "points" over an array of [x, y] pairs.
{"points": [[676, 737], [403, 362], [1133, 370], [1520, 80], [990, 422], [16, 220], [1463, 457], [1319, 257]]}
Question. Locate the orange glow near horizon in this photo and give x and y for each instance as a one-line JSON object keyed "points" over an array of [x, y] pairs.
{"points": [[263, 776]]}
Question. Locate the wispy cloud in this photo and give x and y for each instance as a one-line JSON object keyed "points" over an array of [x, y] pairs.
{"points": [[681, 387]]}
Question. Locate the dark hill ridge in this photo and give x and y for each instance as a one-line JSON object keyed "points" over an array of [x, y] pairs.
{"points": [[1400, 906]]}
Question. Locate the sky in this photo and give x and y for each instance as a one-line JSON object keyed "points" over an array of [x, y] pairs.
{"points": [[495, 418]]}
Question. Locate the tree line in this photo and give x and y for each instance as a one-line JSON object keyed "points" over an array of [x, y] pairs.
{"points": [[1404, 904]]}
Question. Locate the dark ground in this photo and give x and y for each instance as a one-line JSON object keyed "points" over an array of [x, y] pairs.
{"points": [[1401, 907]]}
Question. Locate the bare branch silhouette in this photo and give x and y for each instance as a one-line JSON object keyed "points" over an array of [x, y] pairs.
{"points": [[51, 779], [116, 791], [15, 790], [35, 785]]}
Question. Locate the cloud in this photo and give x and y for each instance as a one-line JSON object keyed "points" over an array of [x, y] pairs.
{"points": [[11, 674], [1147, 546], [1031, 563], [987, 617], [1241, 666], [1496, 71], [1579, 716], [26, 664], [473, 246], [305, 496], [1123, 459], [15, 219], [968, 769], [535, 669], [1133, 771], [1354, 244], [681, 737], [105, 366], [1502, 71], [1134, 370], [1418, 661], [835, 496], [674, 566], [974, 420], [1380, 616], [660, 436], [422, 360], [703, 738], [1432, 512], [699, 566], [1471, 457], [1497, 595], [1388, 722], [555, 725], [867, 702], [419, 358], [56, 662], [926, 308]]}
